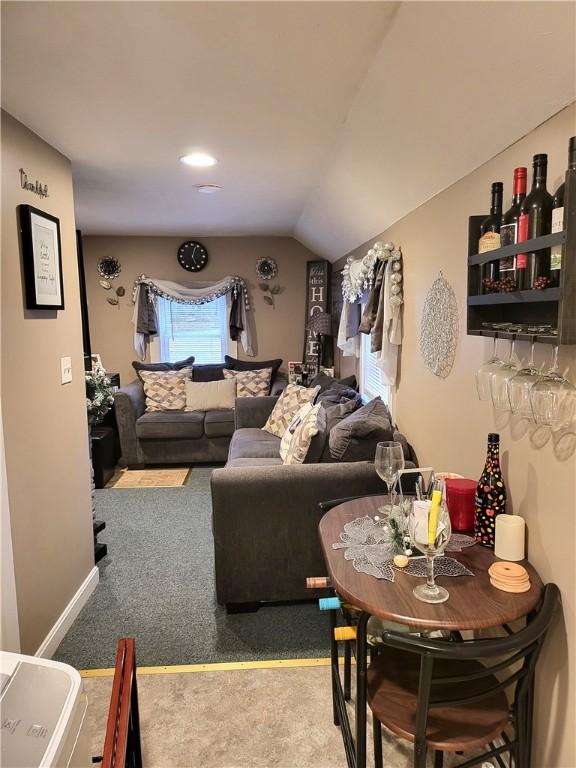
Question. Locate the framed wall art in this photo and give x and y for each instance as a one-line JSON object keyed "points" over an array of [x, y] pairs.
{"points": [[42, 258]]}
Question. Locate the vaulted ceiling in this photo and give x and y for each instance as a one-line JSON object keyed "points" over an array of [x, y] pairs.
{"points": [[330, 120]]}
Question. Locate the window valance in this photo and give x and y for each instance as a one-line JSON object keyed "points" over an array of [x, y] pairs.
{"points": [[146, 289]]}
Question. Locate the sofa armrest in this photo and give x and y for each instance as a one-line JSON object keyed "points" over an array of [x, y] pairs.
{"points": [[278, 385], [265, 525], [129, 405], [253, 411]]}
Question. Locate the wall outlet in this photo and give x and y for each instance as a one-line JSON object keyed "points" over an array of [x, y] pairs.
{"points": [[65, 370]]}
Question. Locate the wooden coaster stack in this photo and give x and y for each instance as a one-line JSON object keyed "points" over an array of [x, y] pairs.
{"points": [[509, 577]]}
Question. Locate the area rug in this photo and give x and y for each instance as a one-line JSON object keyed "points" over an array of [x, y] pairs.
{"points": [[150, 478], [157, 585]]}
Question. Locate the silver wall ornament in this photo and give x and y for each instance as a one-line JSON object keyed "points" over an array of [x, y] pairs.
{"points": [[439, 328]]}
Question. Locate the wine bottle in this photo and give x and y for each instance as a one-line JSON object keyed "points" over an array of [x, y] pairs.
{"points": [[558, 217], [490, 499], [490, 237], [509, 227], [535, 220]]}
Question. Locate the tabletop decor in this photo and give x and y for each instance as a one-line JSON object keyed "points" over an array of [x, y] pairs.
{"points": [[439, 328], [99, 397], [42, 258], [372, 544]]}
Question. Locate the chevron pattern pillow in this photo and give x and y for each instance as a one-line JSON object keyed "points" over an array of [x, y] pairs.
{"points": [[251, 383], [297, 438], [287, 406], [165, 390]]}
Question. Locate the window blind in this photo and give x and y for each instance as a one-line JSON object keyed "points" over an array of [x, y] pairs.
{"points": [[193, 329], [371, 384]]}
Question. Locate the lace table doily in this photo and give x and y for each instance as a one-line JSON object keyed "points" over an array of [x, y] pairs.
{"points": [[369, 544]]}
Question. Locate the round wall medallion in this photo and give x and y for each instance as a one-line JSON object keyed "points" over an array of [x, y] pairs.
{"points": [[192, 256], [109, 268], [266, 268]]}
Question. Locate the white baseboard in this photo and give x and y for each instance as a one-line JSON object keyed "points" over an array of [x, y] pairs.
{"points": [[68, 615]]}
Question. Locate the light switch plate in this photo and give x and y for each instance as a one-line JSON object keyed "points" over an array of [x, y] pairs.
{"points": [[66, 370]]}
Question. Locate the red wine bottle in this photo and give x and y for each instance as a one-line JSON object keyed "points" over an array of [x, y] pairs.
{"points": [[490, 499], [558, 217], [509, 225], [535, 220], [490, 238]]}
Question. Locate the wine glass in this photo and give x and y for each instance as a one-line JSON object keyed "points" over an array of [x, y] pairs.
{"points": [[519, 387], [499, 380], [553, 398], [485, 372], [388, 462], [430, 531]]}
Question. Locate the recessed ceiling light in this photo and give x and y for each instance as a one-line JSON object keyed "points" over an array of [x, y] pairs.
{"points": [[208, 189], [199, 160]]}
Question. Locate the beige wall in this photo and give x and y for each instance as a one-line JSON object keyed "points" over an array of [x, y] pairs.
{"points": [[45, 428], [448, 425], [279, 332]]}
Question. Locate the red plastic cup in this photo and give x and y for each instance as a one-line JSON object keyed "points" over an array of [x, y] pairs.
{"points": [[460, 495]]}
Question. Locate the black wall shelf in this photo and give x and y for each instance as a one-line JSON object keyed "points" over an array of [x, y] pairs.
{"points": [[516, 297], [554, 307]]}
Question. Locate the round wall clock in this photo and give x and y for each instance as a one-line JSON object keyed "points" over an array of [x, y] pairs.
{"points": [[266, 268], [192, 256]]}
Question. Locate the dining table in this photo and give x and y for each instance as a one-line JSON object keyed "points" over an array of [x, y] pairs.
{"points": [[474, 604]]}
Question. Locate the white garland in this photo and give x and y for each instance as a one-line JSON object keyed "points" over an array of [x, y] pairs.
{"points": [[358, 274]]}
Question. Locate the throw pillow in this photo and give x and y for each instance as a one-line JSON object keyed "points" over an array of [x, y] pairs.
{"points": [[325, 382], [252, 365], [208, 372], [338, 393], [355, 437], [287, 406], [210, 395], [165, 390], [333, 414], [139, 367], [250, 383], [298, 437]]}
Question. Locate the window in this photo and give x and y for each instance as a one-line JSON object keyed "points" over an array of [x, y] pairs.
{"points": [[371, 384], [192, 329]]}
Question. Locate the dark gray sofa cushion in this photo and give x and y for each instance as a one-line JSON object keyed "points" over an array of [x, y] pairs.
{"points": [[355, 437], [252, 443], [170, 424], [219, 423], [138, 366], [239, 463], [338, 393], [252, 365], [324, 381], [208, 372]]}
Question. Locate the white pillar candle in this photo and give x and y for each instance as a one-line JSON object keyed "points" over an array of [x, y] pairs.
{"points": [[510, 537]]}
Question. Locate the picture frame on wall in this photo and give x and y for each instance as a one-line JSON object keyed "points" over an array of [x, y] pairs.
{"points": [[41, 258]]}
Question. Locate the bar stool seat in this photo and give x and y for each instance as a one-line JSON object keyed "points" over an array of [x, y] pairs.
{"points": [[392, 683]]}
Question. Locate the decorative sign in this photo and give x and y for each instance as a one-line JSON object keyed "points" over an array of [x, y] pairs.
{"points": [[317, 296], [42, 257], [36, 187]]}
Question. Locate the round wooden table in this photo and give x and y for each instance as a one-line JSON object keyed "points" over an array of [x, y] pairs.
{"points": [[473, 604]]}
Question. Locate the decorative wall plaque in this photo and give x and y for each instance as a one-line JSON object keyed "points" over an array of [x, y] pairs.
{"points": [[439, 328], [317, 300]]}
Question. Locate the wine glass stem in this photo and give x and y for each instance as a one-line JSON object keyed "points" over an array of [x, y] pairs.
{"points": [[430, 571]]}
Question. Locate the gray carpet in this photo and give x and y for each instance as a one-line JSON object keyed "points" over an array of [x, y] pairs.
{"points": [[157, 585]]}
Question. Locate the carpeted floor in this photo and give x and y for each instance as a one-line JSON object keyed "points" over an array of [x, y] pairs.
{"points": [[157, 585]]}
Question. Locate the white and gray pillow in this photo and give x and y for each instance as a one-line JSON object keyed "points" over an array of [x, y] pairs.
{"points": [[254, 383], [298, 437], [165, 390], [287, 406]]}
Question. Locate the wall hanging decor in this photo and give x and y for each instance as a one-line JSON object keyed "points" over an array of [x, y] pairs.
{"points": [[439, 328], [271, 292], [147, 289], [317, 300], [42, 258], [266, 268], [358, 274], [109, 268], [192, 256]]}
